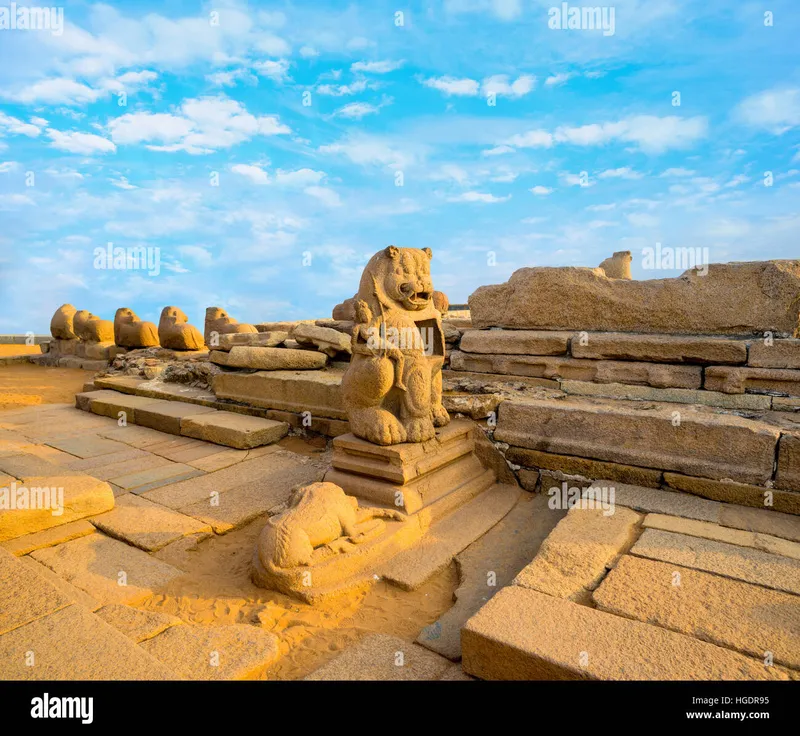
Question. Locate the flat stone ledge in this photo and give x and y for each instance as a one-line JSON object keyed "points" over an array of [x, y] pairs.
{"points": [[660, 348], [233, 430]]}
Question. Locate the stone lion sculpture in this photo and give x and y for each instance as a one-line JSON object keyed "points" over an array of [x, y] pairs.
{"points": [[132, 332], [62, 325], [175, 332], [320, 521], [392, 389], [619, 265], [220, 323], [90, 328]]}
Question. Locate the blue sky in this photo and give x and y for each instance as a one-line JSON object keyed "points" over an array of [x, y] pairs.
{"points": [[268, 149]]}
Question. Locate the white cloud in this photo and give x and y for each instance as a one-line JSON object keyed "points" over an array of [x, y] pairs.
{"points": [[299, 178], [622, 173], [231, 77], [57, 91], [308, 52], [15, 126], [375, 67], [204, 125], [122, 183], [499, 85], [256, 174], [676, 172], [504, 10], [7, 166], [356, 110], [776, 110], [601, 207], [325, 195], [497, 151], [278, 71], [201, 256], [558, 79], [540, 190], [372, 151], [640, 219], [531, 139], [451, 86], [341, 90], [483, 197], [83, 143], [13, 201]]}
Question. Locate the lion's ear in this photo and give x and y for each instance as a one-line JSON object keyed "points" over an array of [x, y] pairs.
{"points": [[428, 252], [392, 251]]}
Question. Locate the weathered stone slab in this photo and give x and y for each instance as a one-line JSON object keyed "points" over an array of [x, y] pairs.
{"points": [[746, 618], [147, 525], [761, 521], [75, 595], [574, 557], [522, 634], [475, 406], [108, 570], [53, 500], [730, 299], [654, 501], [325, 339], [592, 469], [233, 430], [235, 652], [317, 392], [19, 464], [113, 404], [737, 380], [469, 380], [148, 461], [92, 464], [269, 359], [323, 425], [659, 348], [24, 596], [136, 623], [701, 443], [732, 561], [784, 403], [775, 354], [788, 475], [764, 542], [628, 392], [74, 644], [87, 446], [515, 342], [166, 416], [249, 339], [47, 538], [281, 326], [739, 493], [660, 375], [383, 658], [141, 437], [145, 480]]}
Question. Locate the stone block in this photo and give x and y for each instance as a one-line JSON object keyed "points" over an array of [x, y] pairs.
{"points": [[515, 342], [731, 380], [135, 623], [233, 430], [660, 348], [269, 359], [776, 354], [788, 475]]}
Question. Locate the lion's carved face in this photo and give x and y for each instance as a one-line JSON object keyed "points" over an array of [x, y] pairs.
{"points": [[407, 280]]}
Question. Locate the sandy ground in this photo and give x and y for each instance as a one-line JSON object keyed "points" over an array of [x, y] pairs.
{"points": [[19, 350], [25, 384]]}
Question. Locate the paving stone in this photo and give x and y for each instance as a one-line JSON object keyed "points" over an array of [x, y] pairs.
{"points": [[99, 565], [775, 354], [576, 554], [223, 458], [88, 446], [788, 475], [234, 430], [269, 359], [751, 402], [695, 442], [382, 657], [91, 464], [456, 674], [179, 553], [235, 652], [141, 478], [141, 437], [147, 525], [521, 634], [748, 618], [765, 542], [515, 342], [135, 623], [26, 464], [74, 644], [75, 595], [114, 404], [48, 538], [651, 500], [166, 416], [762, 521], [586, 467], [147, 462], [235, 507], [24, 596], [56, 500], [196, 453], [660, 375], [740, 563], [198, 490], [659, 348]]}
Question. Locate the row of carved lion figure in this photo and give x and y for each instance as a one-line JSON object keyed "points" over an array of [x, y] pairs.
{"points": [[128, 331]]}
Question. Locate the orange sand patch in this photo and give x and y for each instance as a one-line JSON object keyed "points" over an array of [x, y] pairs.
{"points": [[6, 350], [25, 384]]}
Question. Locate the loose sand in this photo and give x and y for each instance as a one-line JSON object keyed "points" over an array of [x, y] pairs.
{"points": [[25, 384]]}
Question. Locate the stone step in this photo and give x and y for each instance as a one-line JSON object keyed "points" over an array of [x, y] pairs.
{"points": [[695, 440], [445, 539], [230, 429], [521, 634]]}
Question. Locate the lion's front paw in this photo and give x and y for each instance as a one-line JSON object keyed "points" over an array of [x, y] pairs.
{"points": [[420, 430], [439, 415]]}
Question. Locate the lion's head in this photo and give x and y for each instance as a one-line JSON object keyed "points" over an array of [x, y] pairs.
{"points": [[173, 316], [401, 277], [214, 314]]}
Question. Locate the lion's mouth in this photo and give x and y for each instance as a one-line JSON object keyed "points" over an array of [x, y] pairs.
{"points": [[413, 297]]}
